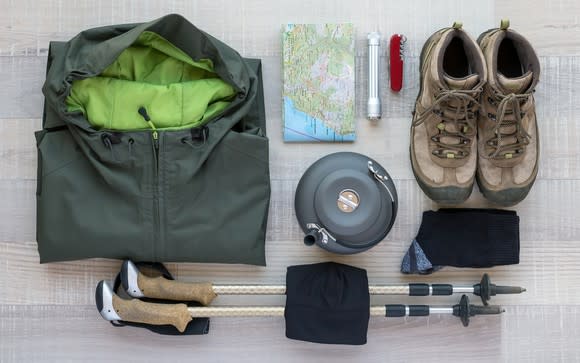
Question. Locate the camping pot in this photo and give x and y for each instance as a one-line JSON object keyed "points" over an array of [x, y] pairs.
{"points": [[345, 203]]}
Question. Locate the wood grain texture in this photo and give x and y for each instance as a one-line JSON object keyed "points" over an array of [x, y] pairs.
{"points": [[553, 27], [556, 98], [47, 311], [83, 336], [546, 213], [548, 274]]}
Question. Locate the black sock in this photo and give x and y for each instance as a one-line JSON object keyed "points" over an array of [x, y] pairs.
{"points": [[464, 238]]}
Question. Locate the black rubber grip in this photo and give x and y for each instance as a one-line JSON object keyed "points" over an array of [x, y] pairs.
{"points": [[394, 311], [418, 290], [418, 310], [442, 289], [505, 290], [397, 311]]}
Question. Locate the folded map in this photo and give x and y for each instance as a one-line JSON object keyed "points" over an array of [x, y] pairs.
{"points": [[318, 94]]}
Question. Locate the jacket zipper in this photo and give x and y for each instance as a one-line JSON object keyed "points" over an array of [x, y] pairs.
{"points": [[156, 197], [158, 231], [156, 185]]}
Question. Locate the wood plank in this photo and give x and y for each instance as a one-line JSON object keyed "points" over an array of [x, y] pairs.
{"points": [[548, 213], [22, 79], [252, 27], [25, 76], [18, 210], [387, 141], [548, 269], [523, 333], [18, 152], [47, 311], [551, 27]]}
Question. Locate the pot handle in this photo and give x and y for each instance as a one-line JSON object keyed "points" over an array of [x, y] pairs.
{"points": [[380, 178], [317, 234]]}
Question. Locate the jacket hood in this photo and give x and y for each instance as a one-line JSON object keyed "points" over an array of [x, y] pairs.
{"points": [[93, 51]]}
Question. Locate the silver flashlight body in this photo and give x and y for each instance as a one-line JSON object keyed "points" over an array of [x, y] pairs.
{"points": [[374, 100]]}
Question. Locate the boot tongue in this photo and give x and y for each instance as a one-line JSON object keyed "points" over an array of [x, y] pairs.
{"points": [[461, 83], [515, 85]]}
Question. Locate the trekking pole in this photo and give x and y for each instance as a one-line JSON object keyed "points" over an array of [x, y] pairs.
{"points": [[138, 285], [113, 308]]}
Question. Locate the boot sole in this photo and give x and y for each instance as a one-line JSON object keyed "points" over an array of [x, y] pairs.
{"points": [[442, 195], [507, 197]]}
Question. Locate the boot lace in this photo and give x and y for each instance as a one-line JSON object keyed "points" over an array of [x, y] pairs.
{"points": [[463, 119], [509, 116]]}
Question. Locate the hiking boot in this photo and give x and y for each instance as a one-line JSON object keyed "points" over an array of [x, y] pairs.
{"points": [[508, 142], [443, 132]]}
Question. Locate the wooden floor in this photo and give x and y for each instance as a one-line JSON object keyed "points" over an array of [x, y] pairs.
{"points": [[47, 312]]}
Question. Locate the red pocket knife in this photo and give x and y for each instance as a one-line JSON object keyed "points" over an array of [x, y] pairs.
{"points": [[397, 44]]}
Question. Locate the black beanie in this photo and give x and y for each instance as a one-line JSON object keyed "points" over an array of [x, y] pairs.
{"points": [[327, 303]]}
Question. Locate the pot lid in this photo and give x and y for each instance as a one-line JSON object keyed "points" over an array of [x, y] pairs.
{"points": [[349, 199]]}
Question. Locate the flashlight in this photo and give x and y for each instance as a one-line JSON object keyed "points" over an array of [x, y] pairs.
{"points": [[374, 100]]}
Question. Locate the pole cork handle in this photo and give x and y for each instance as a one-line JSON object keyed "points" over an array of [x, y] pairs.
{"points": [[112, 307], [139, 285]]}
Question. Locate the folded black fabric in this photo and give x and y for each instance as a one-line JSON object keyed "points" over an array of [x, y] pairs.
{"points": [[464, 238], [327, 303]]}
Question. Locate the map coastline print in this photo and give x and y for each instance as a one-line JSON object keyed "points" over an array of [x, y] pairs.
{"points": [[318, 94]]}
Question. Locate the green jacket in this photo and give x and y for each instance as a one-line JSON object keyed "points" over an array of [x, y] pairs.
{"points": [[153, 148]]}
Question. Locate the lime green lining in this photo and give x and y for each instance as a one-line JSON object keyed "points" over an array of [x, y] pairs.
{"points": [[176, 91]]}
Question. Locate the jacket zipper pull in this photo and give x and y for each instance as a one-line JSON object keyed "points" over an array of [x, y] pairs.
{"points": [[143, 112], [155, 139]]}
